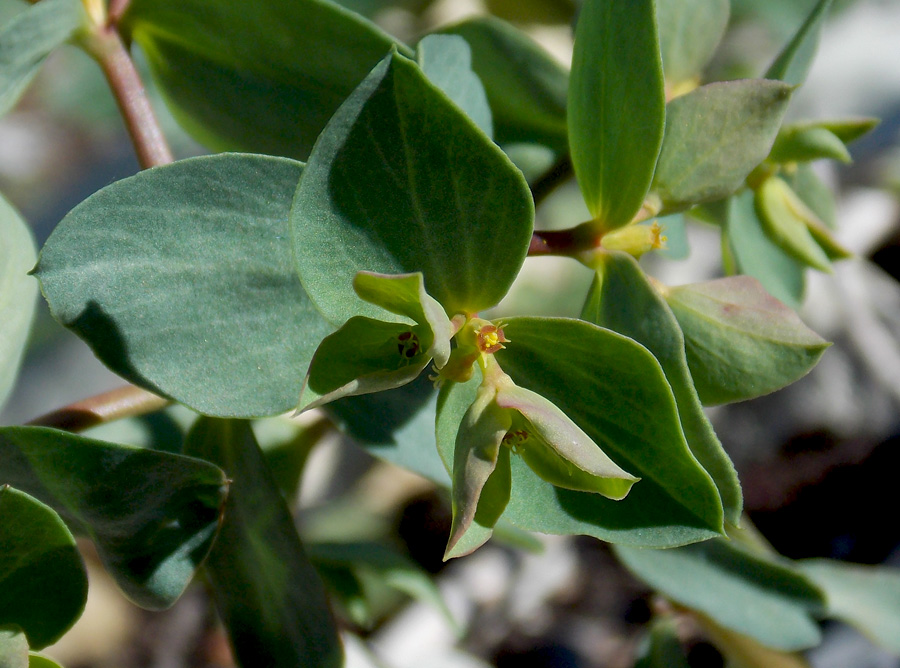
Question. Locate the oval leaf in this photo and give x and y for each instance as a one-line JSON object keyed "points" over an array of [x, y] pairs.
{"points": [[268, 594], [793, 63], [741, 342], [757, 256], [18, 293], [616, 106], [715, 136], [262, 77], [525, 86], [181, 280], [866, 597], [152, 515], [614, 390], [740, 591], [398, 183], [689, 32], [447, 62], [43, 584], [29, 38], [622, 299]]}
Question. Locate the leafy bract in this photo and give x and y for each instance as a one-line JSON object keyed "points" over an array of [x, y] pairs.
{"points": [[43, 584], [525, 86], [18, 293], [262, 77], [447, 62], [866, 597], [181, 280], [616, 109], [689, 32], [622, 299], [28, 38], [793, 63], [741, 342], [715, 136], [266, 591], [743, 592], [401, 181], [614, 390], [152, 515], [757, 256]]}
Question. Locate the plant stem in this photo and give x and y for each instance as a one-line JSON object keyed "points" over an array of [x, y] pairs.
{"points": [[105, 45], [117, 9], [128, 401], [564, 242]]}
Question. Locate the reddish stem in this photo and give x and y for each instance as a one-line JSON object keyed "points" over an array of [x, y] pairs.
{"points": [[128, 401]]}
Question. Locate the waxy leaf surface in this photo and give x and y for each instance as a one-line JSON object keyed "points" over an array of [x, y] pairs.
{"points": [[268, 594], [18, 293], [152, 515], [866, 597], [29, 38], [43, 584], [756, 255], [793, 63], [689, 32], [447, 62], [741, 342], [181, 280], [616, 106], [401, 181], [622, 299], [739, 590], [614, 390], [262, 77], [715, 136], [525, 86]]}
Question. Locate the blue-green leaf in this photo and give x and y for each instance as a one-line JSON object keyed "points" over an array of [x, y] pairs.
{"points": [[793, 63]]}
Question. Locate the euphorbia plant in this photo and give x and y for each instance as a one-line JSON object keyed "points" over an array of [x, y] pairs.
{"points": [[249, 284]]}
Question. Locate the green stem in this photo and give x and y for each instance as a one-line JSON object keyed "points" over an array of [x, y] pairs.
{"points": [[128, 401], [105, 44]]}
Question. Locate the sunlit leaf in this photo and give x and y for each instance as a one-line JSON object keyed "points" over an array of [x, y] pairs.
{"points": [[401, 181], [181, 280], [616, 106]]}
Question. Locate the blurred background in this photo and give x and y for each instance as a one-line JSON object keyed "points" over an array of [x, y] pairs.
{"points": [[817, 460]]}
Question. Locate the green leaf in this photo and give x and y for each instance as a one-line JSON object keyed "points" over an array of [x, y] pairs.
{"points": [[152, 515], [18, 293], [400, 182], [622, 299], [28, 38], [263, 77], [181, 280], [847, 129], [616, 109], [689, 32], [785, 220], [755, 255], [614, 390], [793, 63], [814, 193], [38, 661], [804, 143], [43, 584], [743, 592], [268, 594], [715, 136], [662, 648], [447, 62], [741, 342], [525, 86], [866, 597], [13, 647]]}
